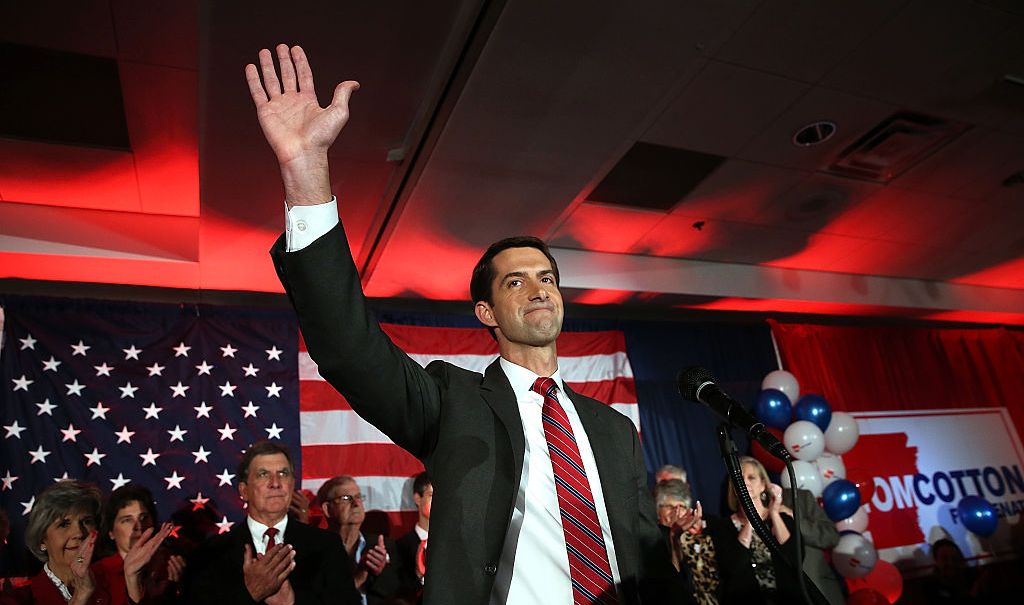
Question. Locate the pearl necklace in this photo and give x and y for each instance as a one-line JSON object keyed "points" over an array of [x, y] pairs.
{"points": [[64, 591]]}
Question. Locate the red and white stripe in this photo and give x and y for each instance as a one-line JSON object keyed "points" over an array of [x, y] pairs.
{"points": [[335, 441]]}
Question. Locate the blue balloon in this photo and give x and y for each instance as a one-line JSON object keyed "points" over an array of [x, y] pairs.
{"points": [[815, 409], [978, 515], [774, 408], [840, 499]]}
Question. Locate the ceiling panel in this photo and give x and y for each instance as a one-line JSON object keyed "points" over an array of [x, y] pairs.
{"points": [[972, 167], [739, 191], [604, 228]]}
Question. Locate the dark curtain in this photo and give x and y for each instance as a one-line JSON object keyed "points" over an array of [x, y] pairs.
{"points": [[897, 368]]}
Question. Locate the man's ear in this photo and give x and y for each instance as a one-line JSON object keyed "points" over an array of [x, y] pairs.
{"points": [[485, 314], [243, 490]]}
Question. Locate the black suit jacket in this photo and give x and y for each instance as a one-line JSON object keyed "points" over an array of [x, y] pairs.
{"points": [[404, 561], [465, 428], [322, 574]]}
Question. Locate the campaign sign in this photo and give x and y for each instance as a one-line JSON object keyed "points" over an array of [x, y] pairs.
{"points": [[922, 463]]}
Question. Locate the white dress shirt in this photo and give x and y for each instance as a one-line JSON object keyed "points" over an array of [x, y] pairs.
{"points": [[259, 533]]}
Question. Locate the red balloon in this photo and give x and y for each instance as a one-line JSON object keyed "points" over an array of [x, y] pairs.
{"points": [[866, 596], [771, 463], [884, 578], [864, 482]]}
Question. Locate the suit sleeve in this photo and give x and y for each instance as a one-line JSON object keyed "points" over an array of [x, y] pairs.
{"points": [[332, 583], [816, 529], [382, 384]]}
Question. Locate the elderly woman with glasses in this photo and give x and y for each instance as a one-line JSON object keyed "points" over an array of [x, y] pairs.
{"points": [[61, 533]]}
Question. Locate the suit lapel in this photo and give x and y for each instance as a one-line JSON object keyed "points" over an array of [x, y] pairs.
{"points": [[497, 392]]}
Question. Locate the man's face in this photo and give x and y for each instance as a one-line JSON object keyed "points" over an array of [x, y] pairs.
{"points": [[527, 305], [268, 488], [344, 504], [423, 502]]}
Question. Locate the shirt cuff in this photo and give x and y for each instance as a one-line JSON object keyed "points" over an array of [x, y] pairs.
{"points": [[305, 224]]}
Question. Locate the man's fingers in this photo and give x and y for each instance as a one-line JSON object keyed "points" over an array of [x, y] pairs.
{"points": [[284, 59], [302, 70], [380, 540], [270, 81], [252, 78], [247, 556], [342, 94]]}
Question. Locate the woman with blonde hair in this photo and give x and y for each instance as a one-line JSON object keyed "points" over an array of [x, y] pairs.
{"points": [[748, 571]]}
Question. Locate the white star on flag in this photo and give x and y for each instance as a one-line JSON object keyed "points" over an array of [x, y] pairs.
{"points": [[51, 364], [39, 455], [94, 458], [227, 432], [152, 411], [128, 390], [70, 434], [131, 353], [45, 408], [28, 342], [227, 389], [149, 457], [201, 455], [181, 350], [28, 506], [250, 370], [155, 369], [103, 369], [124, 435], [100, 411], [225, 478], [273, 432], [177, 434], [204, 368], [274, 353], [21, 384], [199, 501], [228, 350], [8, 482], [179, 390], [203, 410], [174, 481], [119, 481], [224, 526], [75, 389], [250, 410], [273, 390], [13, 429], [79, 349]]}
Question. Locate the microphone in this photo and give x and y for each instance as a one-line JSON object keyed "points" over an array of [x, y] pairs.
{"points": [[696, 384]]}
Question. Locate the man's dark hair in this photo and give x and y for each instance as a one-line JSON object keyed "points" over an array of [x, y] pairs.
{"points": [[480, 286], [421, 483], [261, 448]]}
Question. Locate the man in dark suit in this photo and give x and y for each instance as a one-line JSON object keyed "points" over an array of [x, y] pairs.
{"points": [[819, 534], [540, 494], [268, 559], [410, 549], [343, 506]]}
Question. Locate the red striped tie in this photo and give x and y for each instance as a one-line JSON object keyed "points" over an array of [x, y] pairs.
{"points": [[271, 534], [591, 574]]}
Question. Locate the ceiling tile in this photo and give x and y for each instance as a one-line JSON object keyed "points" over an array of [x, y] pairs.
{"points": [[739, 191], [604, 228], [972, 167]]}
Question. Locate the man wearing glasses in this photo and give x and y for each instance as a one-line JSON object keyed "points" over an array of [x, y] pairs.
{"points": [[267, 558], [343, 507]]}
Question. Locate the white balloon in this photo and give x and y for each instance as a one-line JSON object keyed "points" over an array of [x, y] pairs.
{"points": [[857, 522], [830, 467], [782, 381], [842, 433], [804, 440], [854, 556], [807, 477]]}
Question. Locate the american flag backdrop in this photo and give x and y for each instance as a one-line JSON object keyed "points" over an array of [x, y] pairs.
{"points": [[169, 396]]}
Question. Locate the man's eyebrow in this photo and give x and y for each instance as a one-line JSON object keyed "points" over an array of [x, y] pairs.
{"points": [[526, 273]]}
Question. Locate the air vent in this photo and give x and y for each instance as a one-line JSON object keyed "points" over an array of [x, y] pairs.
{"points": [[895, 145], [60, 97], [654, 177]]}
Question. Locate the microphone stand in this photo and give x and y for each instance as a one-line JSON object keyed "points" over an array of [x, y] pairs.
{"points": [[732, 464]]}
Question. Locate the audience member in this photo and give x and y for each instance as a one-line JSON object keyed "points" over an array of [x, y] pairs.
{"points": [[748, 571], [342, 505], [128, 515], [692, 554], [411, 549], [951, 582], [670, 471], [819, 534], [266, 558]]}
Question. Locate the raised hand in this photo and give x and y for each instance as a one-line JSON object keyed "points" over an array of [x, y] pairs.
{"points": [[284, 596], [299, 507], [376, 558], [82, 581], [264, 576], [687, 519], [299, 131], [138, 556]]}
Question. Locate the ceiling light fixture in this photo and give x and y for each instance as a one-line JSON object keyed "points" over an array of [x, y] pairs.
{"points": [[814, 133]]}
